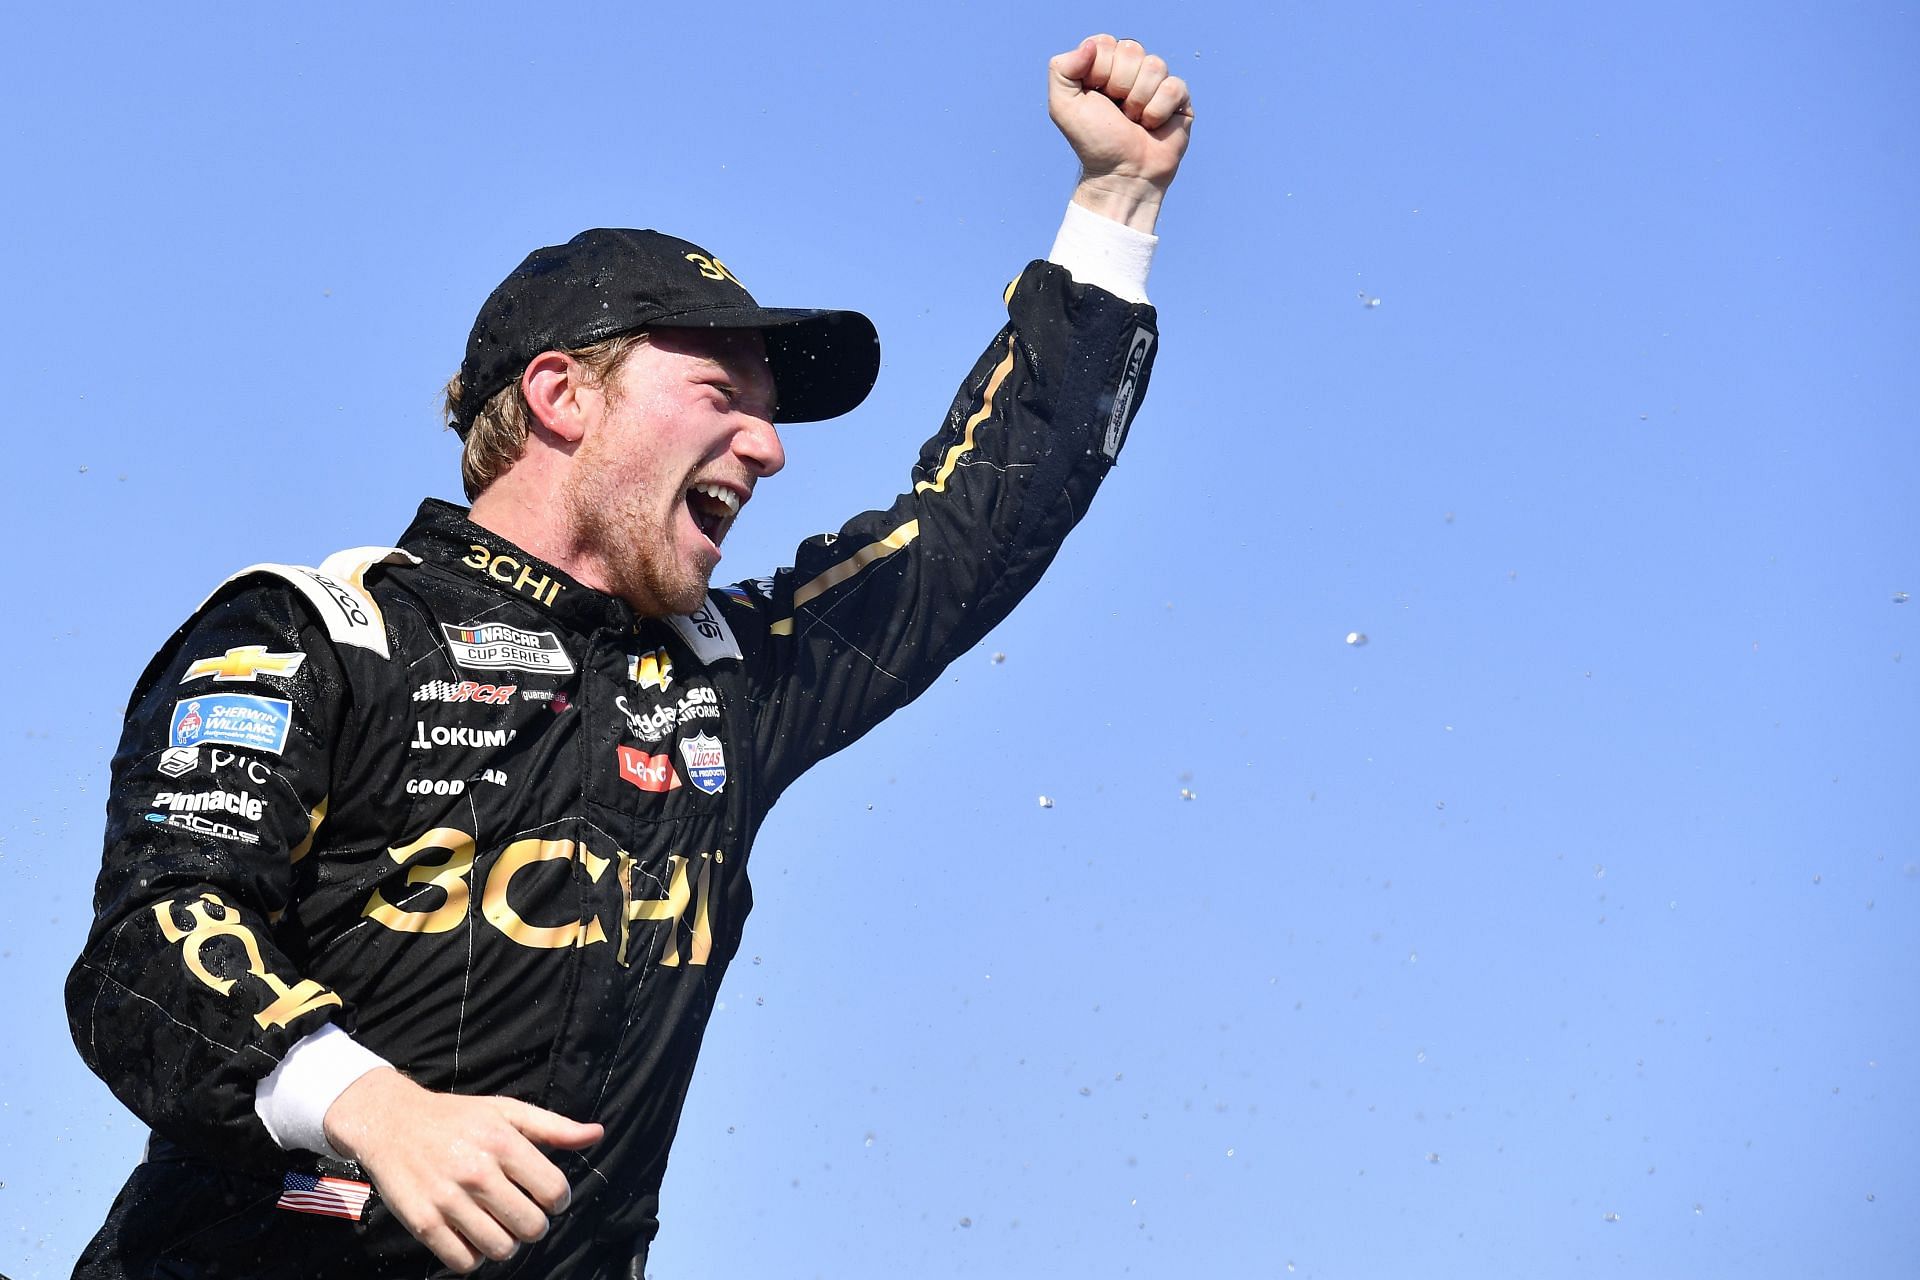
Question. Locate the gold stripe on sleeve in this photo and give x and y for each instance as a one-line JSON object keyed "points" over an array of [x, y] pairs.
{"points": [[939, 483], [846, 569]]}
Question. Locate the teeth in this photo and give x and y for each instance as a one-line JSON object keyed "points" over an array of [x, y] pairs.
{"points": [[724, 496]]}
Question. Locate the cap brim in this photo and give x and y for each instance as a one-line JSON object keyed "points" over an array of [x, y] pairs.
{"points": [[823, 362]]}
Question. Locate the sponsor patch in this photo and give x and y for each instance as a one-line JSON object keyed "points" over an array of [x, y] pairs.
{"points": [[248, 662], [428, 736], [492, 695], [175, 761], [649, 773], [494, 646], [1138, 348], [648, 726], [738, 594], [238, 719], [256, 772], [240, 806], [204, 827], [706, 762], [697, 703], [650, 670], [707, 633]]}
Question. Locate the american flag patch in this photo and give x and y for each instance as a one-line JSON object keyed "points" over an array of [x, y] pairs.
{"points": [[334, 1197]]}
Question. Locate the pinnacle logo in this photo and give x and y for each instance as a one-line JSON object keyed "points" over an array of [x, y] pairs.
{"points": [[651, 670], [248, 662]]}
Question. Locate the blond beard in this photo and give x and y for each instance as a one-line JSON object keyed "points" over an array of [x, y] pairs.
{"points": [[634, 552]]}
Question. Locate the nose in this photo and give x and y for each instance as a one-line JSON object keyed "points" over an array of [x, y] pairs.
{"points": [[758, 445]]}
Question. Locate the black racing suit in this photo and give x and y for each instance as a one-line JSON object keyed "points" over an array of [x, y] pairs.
{"points": [[496, 826]]}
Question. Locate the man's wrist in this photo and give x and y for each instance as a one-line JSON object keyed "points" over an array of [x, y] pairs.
{"points": [[292, 1101], [1133, 202]]}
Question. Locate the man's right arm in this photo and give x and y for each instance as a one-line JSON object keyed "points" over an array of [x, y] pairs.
{"points": [[184, 999]]}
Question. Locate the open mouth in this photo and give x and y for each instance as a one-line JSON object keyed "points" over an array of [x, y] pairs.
{"points": [[713, 508]]}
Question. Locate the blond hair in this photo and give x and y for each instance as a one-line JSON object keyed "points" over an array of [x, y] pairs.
{"points": [[498, 435]]}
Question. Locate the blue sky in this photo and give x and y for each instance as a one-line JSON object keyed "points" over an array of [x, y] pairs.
{"points": [[1566, 927]]}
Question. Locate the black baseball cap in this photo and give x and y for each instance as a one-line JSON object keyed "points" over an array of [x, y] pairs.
{"points": [[611, 280]]}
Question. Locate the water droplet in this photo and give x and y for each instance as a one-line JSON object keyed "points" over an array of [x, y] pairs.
{"points": [[869, 1139], [999, 658], [1186, 794], [966, 1222], [1899, 597], [759, 999], [1086, 1091], [1046, 802], [1613, 1217], [1229, 1153], [756, 959], [1356, 638], [1433, 1157]]}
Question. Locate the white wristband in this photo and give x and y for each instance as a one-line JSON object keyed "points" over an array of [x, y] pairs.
{"points": [[293, 1100], [1106, 254]]}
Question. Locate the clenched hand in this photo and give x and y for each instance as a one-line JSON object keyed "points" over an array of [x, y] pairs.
{"points": [[461, 1173]]}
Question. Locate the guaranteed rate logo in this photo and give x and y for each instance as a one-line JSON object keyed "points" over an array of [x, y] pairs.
{"points": [[494, 646]]}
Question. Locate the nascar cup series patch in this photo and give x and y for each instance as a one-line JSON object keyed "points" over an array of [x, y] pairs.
{"points": [[238, 719], [494, 646], [706, 762]]}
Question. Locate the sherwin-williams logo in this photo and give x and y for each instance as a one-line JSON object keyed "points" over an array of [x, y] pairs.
{"points": [[238, 719], [649, 773], [706, 762], [497, 647], [248, 662], [651, 670]]}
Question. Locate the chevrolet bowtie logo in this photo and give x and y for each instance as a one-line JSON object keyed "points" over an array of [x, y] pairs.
{"points": [[245, 663]]}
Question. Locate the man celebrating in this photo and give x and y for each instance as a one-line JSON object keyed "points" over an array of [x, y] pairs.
{"points": [[423, 866]]}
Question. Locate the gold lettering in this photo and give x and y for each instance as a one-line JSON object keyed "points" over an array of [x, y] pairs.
{"points": [[681, 892], [712, 268], [499, 911], [536, 586], [212, 918], [447, 875], [502, 562], [479, 558]]}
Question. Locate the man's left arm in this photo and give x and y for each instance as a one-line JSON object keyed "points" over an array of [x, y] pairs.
{"points": [[868, 617]]}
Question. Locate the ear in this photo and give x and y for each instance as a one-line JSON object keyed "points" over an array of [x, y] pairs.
{"points": [[554, 385]]}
